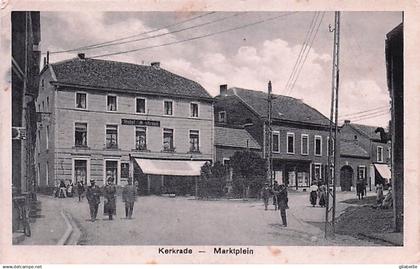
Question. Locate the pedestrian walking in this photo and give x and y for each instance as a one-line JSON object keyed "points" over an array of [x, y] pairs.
{"points": [[265, 194], [63, 190], [93, 195], [283, 203], [359, 189], [70, 189], [322, 192], [80, 189], [313, 195], [110, 207], [129, 196]]}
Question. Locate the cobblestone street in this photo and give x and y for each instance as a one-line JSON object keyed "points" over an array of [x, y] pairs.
{"points": [[185, 221]]}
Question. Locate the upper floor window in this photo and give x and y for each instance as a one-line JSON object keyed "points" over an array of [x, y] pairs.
{"points": [[42, 84], [304, 144], [48, 103], [43, 106], [111, 102], [47, 137], [222, 117], [141, 142], [193, 110], [140, 105], [194, 141], [80, 134], [168, 139], [361, 172], [330, 142], [318, 145], [380, 154], [111, 136], [291, 143], [81, 100], [276, 141], [168, 108]]}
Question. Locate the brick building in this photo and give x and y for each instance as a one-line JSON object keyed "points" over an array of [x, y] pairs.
{"points": [[363, 156], [112, 119], [299, 132]]}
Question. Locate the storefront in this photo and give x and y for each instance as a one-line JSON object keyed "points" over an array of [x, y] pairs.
{"points": [[294, 173]]}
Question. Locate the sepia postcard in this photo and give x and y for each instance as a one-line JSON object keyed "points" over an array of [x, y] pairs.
{"points": [[208, 132]]}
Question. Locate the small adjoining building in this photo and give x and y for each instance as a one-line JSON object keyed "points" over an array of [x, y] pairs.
{"points": [[364, 156], [299, 133], [120, 120]]}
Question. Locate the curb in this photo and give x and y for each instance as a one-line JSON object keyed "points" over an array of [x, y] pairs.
{"points": [[372, 237], [63, 240]]}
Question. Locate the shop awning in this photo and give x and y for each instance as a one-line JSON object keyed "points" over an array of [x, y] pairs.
{"points": [[383, 170], [170, 167]]}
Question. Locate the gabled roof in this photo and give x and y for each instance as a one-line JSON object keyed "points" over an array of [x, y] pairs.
{"points": [[283, 107], [125, 76], [233, 137], [351, 148], [366, 130]]}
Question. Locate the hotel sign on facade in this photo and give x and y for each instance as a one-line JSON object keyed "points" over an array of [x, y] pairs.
{"points": [[152, 123]]}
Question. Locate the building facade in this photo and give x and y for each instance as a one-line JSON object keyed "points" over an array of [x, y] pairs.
{"points": [[118, 120], [364, 156], [299, 133]]}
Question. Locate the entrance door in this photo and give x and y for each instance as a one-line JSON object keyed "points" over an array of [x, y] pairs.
{"points": [[346, 178]]}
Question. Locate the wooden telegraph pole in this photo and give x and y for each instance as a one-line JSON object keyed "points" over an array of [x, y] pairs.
{"points": [[270, 136], [332, 151]]}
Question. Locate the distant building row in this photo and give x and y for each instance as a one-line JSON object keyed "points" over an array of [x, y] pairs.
{"points": [[101, 119]]}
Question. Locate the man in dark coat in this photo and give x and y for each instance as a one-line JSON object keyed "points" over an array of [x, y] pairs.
{"points": [[265, 194], [282, 201], [129, 196], [110, 207], [275, 191], [93, 195]]}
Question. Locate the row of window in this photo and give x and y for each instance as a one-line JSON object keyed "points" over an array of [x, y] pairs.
{"points": [[111, 138], [304, 143], [140, 105]]}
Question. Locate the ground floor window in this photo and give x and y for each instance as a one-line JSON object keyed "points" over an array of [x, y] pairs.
{"points": [[111, 170], [317, 171], [80, 171], [303, 179], [361, 172], [125, 170]]}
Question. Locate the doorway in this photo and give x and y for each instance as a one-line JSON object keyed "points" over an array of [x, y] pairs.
{"points": [[346, 178]]}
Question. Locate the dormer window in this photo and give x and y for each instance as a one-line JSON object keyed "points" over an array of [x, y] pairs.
{"points": [[222, 117]]}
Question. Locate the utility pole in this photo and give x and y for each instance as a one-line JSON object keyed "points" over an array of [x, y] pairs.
{"points": [[270, 136], [332, 151]]}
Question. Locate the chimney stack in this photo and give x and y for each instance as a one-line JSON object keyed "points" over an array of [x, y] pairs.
{"points": [[223, 90], [156, 65], [346, 121], [81, 56]]}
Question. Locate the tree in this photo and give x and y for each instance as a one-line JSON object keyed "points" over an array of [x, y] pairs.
{"points": [[212, 180], [249, 172]]}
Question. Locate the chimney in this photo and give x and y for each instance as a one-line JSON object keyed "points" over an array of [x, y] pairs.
{"points": [[81, 56], [223, 90], [346, 121], [156, 65]]}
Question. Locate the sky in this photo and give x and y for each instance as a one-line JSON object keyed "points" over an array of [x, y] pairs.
{"points": [[247, 57]]}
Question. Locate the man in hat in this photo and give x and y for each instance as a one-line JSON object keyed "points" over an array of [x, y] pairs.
{"points": [[110, 207], [265, 194], [129, 196], [93, 195], [282, 200]]}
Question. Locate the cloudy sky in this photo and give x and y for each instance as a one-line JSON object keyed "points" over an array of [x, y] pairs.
{"points": [[247, 57]]}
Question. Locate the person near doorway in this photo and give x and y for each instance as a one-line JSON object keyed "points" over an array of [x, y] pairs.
{"points": [[322, 192], [313, 195], [129, 196], [93, 195], [110, 208], [265, 194], [80, 189], [275, 191], [282, 200], [359, 189]]}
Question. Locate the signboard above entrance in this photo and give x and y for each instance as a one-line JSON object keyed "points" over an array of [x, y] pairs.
{"points": [[140, 122]]}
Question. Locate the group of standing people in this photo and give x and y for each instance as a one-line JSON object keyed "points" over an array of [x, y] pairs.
{"points": [[360, 189], [318, 194], [280, 199], [63, 189]]}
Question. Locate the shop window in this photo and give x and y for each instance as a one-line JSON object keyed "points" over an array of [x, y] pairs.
{"points": [[317, 171], [141, 139], [80, 171], [168, 140], [111, 170], [318, 145], [194, 141], [276, 141], [303, 179], [291, 143], [141, 105], [361, 172], [125, 170], [304, 144], [112, 103], [80, 134], [168, 107], [80, 100], [111, 136], [193, 110]]}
